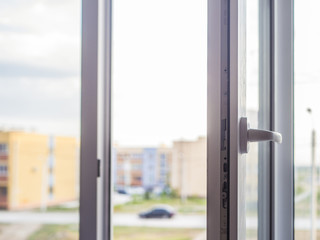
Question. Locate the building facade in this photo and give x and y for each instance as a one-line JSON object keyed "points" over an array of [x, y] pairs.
{"points": [[147, 168], [181, 167], [189, 167], [37, 170]]}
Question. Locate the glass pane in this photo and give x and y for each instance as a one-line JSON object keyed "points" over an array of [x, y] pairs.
{"points": [[306, 118], [39, 119], [252, 51], [159, 119]]}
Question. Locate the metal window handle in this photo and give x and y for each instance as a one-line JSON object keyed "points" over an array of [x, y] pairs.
{"points": [[255, 135]]}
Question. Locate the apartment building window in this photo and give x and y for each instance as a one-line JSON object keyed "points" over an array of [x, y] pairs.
{"points": [[163, 163], [136, 166], [3, 170], [3, 191], [137, 179], [121, 178], [136, 156], [120, 166], [3, 149]]}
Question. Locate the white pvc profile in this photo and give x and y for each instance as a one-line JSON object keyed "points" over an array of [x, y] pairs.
{"points": [[104, 209], [220, 20], [264, 122], [283, 121], [237, 110], [213, 121]]}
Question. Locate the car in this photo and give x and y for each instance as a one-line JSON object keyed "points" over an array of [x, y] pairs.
{"points": [[122, 191], [158, 212]]}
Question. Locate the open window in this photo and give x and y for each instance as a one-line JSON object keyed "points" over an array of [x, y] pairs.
{"points": [[143, 66]]}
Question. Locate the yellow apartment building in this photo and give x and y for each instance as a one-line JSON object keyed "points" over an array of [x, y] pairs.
{"points": [[189, 167], [37, 170]]}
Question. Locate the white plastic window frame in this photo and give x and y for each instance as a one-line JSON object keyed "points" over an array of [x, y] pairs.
{"points": [[276, 181], [283, 162], [222, 18], [279, 212]]}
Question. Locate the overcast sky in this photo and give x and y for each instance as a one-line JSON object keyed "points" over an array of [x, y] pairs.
{"points": [[159, 69], [40, 65]]}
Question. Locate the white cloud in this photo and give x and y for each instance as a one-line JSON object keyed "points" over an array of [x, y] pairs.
{"points": [[47, 33], [40, 61]]}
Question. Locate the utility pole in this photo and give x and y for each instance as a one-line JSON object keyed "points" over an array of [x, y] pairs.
{"points": [[183, 175], [44, 187], [314, 185]]}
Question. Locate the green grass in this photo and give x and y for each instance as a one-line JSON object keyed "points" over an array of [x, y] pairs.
{"points": [[59, 208], [70, 232], [141, 233], [190, 206], [56, 232]]}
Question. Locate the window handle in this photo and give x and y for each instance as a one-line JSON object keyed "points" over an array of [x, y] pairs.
{"points": [[248, 135]]}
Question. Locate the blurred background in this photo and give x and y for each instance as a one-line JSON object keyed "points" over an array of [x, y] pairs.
{"points": [[159, 119]]}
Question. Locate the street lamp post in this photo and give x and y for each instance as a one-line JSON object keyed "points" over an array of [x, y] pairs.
{"points": [[313, 182]]}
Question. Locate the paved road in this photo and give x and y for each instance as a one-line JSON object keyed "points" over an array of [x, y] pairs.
{"points": [[179, 221], [39, 217]]}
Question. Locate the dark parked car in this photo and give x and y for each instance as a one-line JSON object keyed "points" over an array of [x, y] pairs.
{"points": [[158, 212], [121, 191]]}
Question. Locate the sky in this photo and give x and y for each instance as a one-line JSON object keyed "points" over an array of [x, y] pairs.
{"points": [[158, 69], [307, 78], [40, 66]]}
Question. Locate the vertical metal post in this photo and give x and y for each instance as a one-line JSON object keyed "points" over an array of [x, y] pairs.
{"points": [[313, 187], [44, 187]]}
